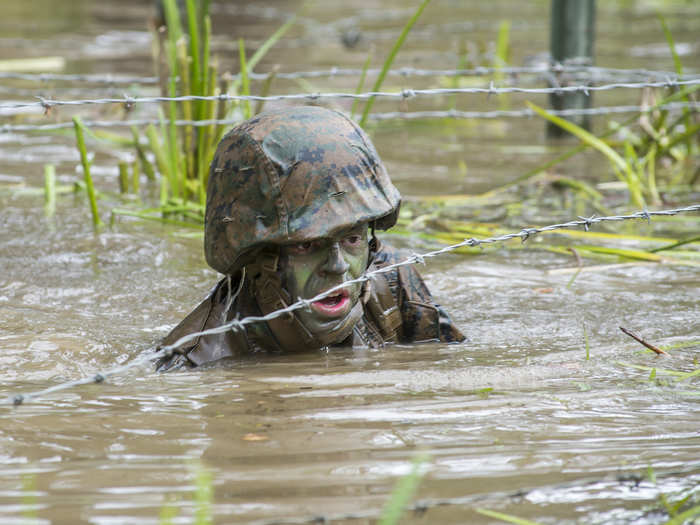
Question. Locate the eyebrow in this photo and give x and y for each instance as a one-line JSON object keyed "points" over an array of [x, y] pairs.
{"points": [[359, 229]]}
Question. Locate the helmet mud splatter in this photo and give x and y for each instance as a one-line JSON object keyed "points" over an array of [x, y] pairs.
{"points": [[289, 176]]}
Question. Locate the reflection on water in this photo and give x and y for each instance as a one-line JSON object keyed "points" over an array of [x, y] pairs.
{"points": [[517, 419]]}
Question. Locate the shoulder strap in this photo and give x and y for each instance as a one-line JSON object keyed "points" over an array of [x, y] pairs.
{"points": [[382, 301]]}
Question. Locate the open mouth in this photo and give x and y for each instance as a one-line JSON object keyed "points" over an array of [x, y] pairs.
{"points": [[333, 305]]}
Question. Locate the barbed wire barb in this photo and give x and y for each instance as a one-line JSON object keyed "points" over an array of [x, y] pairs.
{"points": [[238, 324]]}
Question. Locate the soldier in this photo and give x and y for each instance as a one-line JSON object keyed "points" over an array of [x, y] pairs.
{"points": [[293, 202]]}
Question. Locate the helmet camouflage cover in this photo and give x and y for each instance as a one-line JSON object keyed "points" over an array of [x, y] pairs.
{"points": [[288, 176]]}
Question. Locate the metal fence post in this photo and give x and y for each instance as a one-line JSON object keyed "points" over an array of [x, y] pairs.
{"points": [[571, 42]]}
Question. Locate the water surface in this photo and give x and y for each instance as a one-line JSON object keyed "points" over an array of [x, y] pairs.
{"points": [[547, 412]]}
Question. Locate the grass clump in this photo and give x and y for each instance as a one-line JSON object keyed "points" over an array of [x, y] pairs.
{"points": [[177, 157], [189, 69]]}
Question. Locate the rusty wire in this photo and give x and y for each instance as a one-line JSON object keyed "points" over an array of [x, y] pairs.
{"points": [[238, 324]]}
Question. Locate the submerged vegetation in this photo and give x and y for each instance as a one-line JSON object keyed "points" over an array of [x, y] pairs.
{"points": [[677, 508]]}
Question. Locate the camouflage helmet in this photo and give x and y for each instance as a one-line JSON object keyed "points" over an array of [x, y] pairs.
{"points": [[289, 176]]}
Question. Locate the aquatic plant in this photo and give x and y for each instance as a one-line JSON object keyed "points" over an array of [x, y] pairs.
{"points": [[390, 60], [187, 68], [202, 498], [193, 71], [49, 189], [659, 151], [203, 495], [78, 125], [508, 518], [404, 491]]}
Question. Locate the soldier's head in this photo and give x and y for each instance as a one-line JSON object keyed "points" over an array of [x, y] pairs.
{"points": [[291, 196]]}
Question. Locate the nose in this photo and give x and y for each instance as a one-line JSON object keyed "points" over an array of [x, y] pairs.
{"points": [[335, 264]]}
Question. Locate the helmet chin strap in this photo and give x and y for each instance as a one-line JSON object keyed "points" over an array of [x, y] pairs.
{"points": [[289, 331]]}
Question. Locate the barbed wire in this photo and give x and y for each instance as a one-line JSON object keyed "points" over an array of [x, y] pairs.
{"points": [[239, 324], [555, 68], [378, 117], [421, 506], [404, 94], [527, 113]]}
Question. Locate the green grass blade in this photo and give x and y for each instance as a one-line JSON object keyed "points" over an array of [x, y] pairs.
{"points": [[123, 177], [172, 19], [689, 132], [143, 159], [624, 253], [390, 59], [245, 83], [508, 518], [500, 59], [267, 45], [581, 187], [361, 83], [676, 244], [535, 171], [195, 75], [135, 177], [684, 517], [168, 513], [671, 44], [263, 49], [78, 125], [585, 136], [158, 151], [203, 11], [679, 70], [651, 175], [403, 492], [265, 91], [582, 147], [186, 108], [161, 161], [502, 45], [206, 52], [148, 216], [49, 189], [203, 496]]}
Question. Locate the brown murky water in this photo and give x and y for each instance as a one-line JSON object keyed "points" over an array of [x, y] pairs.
{"points": [[516, 420]]}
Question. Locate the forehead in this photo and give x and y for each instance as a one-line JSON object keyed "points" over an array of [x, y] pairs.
{"points": [[340, 233]]}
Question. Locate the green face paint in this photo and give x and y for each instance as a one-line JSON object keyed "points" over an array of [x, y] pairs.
{"points": [[312, 267]]}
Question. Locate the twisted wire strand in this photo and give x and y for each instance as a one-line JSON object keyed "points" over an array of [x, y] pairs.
{"points": [[238, 324], [335, 71], [377, 117], [421, 506], [527, 113], [403, 94]]}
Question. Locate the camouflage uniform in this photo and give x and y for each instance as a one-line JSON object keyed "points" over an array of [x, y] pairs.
{"points": [[292, 176]]}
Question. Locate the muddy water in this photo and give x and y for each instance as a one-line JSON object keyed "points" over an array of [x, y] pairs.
{"points": [[518, 419]]}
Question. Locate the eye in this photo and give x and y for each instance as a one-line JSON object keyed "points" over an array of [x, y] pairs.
{"points": [[353, 241], [302, 248]]}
